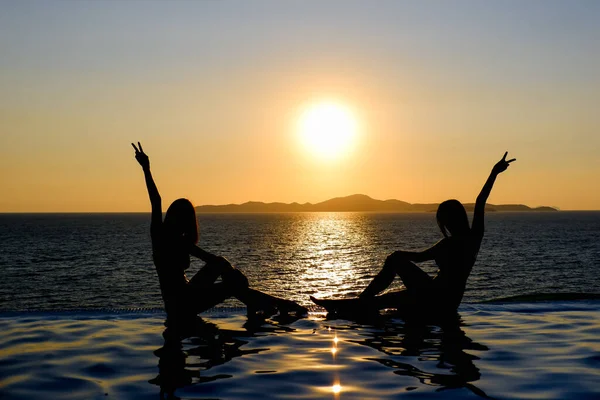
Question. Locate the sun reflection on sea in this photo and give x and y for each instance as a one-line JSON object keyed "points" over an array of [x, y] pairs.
{"points": [[335, 260]]}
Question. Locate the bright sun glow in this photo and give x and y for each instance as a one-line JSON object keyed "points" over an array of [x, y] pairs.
{"points": [[327, 129]]}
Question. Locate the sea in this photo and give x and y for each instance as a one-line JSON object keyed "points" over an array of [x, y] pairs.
{"points": [[81, 313]]}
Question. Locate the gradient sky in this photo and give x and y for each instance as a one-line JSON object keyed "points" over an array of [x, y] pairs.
{"points": [[213, 90]]}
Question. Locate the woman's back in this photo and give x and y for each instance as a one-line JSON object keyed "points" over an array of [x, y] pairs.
{"points": [[171, 260], [455, 264]]}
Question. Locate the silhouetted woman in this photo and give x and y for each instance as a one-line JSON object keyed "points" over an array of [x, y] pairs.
{"points": [[454, 255], [173, 241]]}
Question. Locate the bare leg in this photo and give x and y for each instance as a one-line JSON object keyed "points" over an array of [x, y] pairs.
{"points": [[418, 287], [259, 302], [209, 296], [401, 299], [235, 284], [205, 293], [413, 277], [211, 271]]}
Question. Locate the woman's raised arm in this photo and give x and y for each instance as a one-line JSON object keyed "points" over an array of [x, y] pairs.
{"points": [[500, 167], [155, 199]]}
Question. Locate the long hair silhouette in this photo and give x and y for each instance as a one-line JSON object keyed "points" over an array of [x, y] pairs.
{"points": [[452, 218]]}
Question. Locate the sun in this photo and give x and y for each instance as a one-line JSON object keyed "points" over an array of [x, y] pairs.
{"points": [[327, 129]]}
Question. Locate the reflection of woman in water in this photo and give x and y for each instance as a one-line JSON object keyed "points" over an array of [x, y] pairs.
{"points": [[455, 256], [441, 348], [173, 241]]}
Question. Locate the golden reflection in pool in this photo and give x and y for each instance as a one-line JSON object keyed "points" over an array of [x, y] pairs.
{"points": [[334, 348], [336, 388]]}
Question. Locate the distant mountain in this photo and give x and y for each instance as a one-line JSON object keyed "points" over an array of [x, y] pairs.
{"points": [[356, 202]]}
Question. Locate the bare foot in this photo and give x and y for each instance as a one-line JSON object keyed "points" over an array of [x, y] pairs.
{"points": [[287, 306]]}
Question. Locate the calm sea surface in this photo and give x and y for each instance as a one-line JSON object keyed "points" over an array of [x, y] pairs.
{"points": [[103, 261]]}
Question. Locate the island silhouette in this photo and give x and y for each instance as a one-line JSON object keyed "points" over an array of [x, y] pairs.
{"points": [[356, 202]]}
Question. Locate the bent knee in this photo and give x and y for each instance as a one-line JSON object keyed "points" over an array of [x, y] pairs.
{"points": [[223, 263], [396, 262], [235, 279], [396, 258]]}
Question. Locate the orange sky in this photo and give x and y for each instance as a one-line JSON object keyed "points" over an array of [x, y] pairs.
{"points": [[214, 94]]}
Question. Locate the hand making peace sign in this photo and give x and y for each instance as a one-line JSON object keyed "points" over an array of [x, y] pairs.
{"points": [[503, 164], [140, 156]]}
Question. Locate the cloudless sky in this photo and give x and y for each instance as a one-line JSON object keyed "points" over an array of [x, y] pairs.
{"points": [[214, 90]]}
